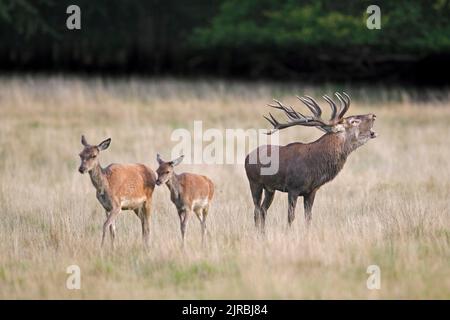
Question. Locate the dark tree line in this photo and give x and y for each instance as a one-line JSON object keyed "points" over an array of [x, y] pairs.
{"points": [[310, 39]]}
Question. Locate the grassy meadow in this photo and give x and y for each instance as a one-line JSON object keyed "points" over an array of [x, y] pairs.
{"points": [[388, 207]]}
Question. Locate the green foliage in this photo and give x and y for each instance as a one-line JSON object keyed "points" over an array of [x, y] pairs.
{"points": [[222, 36], [406, 25], [23, 17]]}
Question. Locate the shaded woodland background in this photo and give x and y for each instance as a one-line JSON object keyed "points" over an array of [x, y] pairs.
{"points": [[313, 40]]}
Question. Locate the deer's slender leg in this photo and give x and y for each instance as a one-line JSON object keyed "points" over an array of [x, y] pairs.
{"points": [[256, 190], [204, 215], [112, 230], [268, 198], [292, 202], [184, 216], [201, 215], [308, 201], [138, 213], [197, 212], [109, 221], [201, 218], [145, 219]]}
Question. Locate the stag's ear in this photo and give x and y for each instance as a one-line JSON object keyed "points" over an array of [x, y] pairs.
{"points": [[83, 141], [177, 161], [104, 144], [158, 158]]}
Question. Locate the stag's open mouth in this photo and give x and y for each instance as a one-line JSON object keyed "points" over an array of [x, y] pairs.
{"points": [[373, 134]]}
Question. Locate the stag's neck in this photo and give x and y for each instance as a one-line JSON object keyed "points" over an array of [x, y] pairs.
{"points": [[174, 186], [333, 150], [336, 145], [98, 178]]}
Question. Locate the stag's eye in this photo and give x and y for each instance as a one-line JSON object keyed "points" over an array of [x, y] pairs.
{"points": [[167, 172]]}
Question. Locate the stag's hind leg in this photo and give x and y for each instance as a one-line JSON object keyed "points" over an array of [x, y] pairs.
{"points": [[256, 190]]}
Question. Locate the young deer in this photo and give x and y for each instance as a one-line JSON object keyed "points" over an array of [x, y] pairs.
{"points": [[119, 187], [189, 192]]}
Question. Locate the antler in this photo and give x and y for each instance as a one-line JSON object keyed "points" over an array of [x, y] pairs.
{"points": [[296, 118]]}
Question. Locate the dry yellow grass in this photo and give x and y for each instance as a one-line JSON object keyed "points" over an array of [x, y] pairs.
{"points": [[389, 206]]}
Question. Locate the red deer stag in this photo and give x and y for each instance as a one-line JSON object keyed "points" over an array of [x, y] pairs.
{"points": [[119, 187], [304, 168], [189, 193]]}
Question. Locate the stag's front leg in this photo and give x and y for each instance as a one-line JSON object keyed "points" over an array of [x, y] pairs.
{"points": [[308, 201], [257, 190], [292, 202], [268, 198]]}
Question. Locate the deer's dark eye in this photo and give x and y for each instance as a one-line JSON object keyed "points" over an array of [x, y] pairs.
{"points": [[167, 172]]}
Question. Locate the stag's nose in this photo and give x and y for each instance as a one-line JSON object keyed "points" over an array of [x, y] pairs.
{"points": [[81, 170], [374, 116], [158, 182]]}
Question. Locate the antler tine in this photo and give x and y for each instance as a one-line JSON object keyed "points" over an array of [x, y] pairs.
{"points": [[274, 106], [278, 126], [280, 106], [333, 107], [272, 120], [296, 118], [312, 105], [347, 100], [290, 112], [294, 115], [347, 96], [315, 105], [342, 104]]}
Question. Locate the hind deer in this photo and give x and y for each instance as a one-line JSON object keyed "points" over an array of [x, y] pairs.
{"points": [[304, 168], [189, 193], [119, 187]]}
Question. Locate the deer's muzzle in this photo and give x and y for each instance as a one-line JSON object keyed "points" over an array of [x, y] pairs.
{"points": [[373, 134]]}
